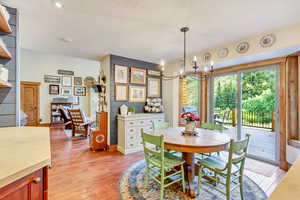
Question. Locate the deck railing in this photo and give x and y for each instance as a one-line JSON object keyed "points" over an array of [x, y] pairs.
{"points": [[252, 119]]}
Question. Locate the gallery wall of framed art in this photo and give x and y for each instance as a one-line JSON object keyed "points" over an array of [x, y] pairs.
{"points": [[129, 85]]}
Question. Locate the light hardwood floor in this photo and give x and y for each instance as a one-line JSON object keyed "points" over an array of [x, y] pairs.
{"points": [[79, 174]]}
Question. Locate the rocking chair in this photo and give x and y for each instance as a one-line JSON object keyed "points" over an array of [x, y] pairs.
{"points": [[80, 124]]}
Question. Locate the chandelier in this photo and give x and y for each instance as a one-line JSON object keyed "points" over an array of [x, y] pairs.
{"points": [[207, 70]]}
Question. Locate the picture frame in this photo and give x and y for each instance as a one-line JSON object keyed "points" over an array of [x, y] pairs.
{"points": [[121, 74], [138, 76], [65, 72], [66, 91], [54, 89], [121, 92], [154, 87], [137, 94], [67, 81], [52, 79], [77, 80], [80, 91], [154, 73]]}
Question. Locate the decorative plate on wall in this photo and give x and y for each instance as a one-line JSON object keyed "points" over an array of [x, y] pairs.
{"points": [[222, 53], [89, 81], [267, 40], [207, 57], [242, 47]]}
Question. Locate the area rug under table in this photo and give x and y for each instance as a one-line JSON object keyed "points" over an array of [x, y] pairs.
{"points": [[131, 186]]}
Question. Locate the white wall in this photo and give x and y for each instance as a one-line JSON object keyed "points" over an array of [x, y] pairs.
{"points": [[287, 37], [34, 65]]}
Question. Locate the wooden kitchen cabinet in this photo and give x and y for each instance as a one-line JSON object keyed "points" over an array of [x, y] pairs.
{"points": [[31, 187]]}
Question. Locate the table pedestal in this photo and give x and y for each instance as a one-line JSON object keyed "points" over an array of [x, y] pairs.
{"points": [[190, 173]]}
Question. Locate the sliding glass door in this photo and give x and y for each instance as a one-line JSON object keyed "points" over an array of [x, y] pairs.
{"points": [[245, 102]]}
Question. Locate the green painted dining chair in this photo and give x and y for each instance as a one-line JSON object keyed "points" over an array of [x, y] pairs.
{"points": [[226, 173], [163, 167], [211, 126], [161, 125]]}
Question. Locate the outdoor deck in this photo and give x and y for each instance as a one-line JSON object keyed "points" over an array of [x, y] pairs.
{"points": [[262, 141]]}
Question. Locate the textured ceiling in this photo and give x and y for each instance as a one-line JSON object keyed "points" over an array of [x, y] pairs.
{"points": [[145, 29]]}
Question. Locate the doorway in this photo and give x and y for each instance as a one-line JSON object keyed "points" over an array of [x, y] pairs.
{"points": [[30, 102], [246, 102]]}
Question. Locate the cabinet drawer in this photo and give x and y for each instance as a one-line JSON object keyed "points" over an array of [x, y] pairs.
{"points": [[131, 141], [142, 122], [159, 120], [131, 131], [131, 123]]}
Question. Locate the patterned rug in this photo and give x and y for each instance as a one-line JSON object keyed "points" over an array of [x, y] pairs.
{"points": [[131, 186]]}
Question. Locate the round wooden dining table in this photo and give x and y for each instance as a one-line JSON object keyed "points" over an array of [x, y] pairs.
{"points": [[206, 141]]}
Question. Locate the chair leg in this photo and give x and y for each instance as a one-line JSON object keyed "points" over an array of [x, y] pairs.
{"points": [[183, 178], [147, 177], [200, 175], [228, 181], [162, 184], [241, 187]]}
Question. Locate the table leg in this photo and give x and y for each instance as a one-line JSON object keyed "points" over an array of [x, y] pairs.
{"points": [[190, 172]]}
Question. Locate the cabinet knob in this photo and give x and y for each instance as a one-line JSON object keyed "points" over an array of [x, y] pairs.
{"points": [[37, 180]]}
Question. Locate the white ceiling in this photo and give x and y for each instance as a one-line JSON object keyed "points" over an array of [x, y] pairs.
{"points": [[146, 29]]}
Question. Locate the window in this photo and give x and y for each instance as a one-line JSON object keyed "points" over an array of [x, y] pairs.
{"points": [[189, 94]]}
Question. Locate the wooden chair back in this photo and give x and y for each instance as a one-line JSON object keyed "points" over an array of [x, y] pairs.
{"points": [[211, 126], [153, 146], [161, 125], [237, 153]]}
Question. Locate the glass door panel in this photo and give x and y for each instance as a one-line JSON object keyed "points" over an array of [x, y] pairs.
{"points": [[190, 95], [258, 105], [224, 109]]}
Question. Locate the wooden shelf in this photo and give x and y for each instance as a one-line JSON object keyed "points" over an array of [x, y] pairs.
{"points": [[4, 84], [4, 26]]}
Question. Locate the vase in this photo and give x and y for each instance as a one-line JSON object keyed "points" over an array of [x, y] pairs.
{"points": [[190, 127]]}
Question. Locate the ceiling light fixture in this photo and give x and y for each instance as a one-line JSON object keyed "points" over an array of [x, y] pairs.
{"points": [[58, 4], [207, 71], [67, 39]]}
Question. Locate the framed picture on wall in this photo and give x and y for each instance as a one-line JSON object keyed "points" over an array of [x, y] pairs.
{"points": [[154, 86], [121, 74], [121, 92], [52, 79], [67, 81], [54, 89], [154, 73], [137, 94], [79, 91], [66, 91], [138, 76], [77, 81]]}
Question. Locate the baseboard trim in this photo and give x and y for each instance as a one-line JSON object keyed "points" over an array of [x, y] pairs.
{"points": [[112, 148]]}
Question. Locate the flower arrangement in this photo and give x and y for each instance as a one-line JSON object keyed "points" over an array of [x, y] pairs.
{"points": [[190, 117]]}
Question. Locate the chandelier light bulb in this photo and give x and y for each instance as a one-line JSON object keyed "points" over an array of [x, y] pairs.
{"points": [[163, 68], [181, 71], [205, 69], [211, 63], [162, 63], [195, 59]]}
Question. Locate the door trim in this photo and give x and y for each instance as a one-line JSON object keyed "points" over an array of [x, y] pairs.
{"points": [[37, 84], [282, 137]]}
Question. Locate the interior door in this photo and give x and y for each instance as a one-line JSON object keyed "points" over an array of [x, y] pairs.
{"points": [[30, 102]]}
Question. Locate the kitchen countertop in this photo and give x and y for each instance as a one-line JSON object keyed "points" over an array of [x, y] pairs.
{"points": [[23, 150], [289, 187]]}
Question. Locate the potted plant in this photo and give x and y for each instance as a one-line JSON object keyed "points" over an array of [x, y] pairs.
{"points": [[131, 110], [190, 119]]}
